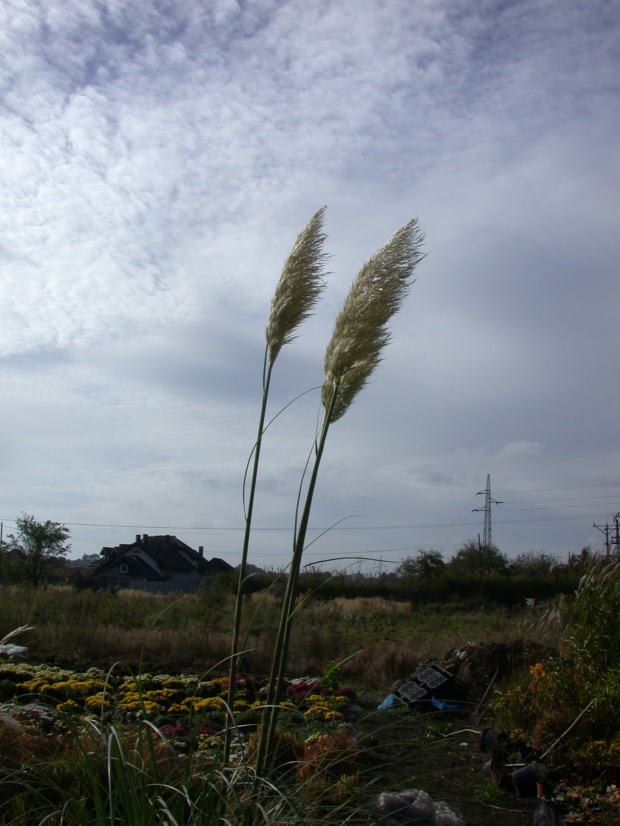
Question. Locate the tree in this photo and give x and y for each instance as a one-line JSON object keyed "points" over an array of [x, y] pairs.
{"points": [[39, 547], [424, 565], [534, 562], [580, 560], [472, 559], [87, 561]]}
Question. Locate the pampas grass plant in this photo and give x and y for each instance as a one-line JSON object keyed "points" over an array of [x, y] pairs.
{"points": [[359, 336], [296, 293]]}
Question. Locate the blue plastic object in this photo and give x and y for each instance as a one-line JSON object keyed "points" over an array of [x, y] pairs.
{"points": [[443, 705], [390, 702]]}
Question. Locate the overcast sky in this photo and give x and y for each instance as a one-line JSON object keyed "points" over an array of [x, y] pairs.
{"points": [[157, 162]]}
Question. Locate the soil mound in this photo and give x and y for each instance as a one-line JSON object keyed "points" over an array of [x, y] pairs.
{"points": [[475, 666]]}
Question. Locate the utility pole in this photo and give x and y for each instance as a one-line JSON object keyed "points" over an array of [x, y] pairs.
{"points": [[617, 539], [487, 539], [604, 530]]}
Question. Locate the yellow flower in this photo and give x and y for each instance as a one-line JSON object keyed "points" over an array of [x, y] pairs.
{"points": [[130, 698], [148, 705], [95, 701], [197, 704], [173, 683], [69, 706], [31, 685], [176, 708], [317, 708]]}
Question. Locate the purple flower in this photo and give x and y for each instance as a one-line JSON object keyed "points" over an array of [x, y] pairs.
{"points": [[347, 691], [173, 731]]}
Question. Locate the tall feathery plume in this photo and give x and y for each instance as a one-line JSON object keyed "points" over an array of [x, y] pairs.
{"points": [[296, 293], [360, 333], [299, 286]]}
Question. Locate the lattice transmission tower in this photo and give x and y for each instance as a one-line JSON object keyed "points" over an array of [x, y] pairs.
{"points": [[487, 539]]}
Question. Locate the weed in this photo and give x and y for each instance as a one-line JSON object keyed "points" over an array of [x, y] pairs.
{"points": [[487, 791], [576, 691], [438, 729]]}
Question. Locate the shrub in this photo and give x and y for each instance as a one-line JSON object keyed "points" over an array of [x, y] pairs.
{"points": [[585, 673], [7, 689]]}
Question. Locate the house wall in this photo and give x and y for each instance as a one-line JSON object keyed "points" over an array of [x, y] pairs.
{"points": [[168, 587], [181, 583]]}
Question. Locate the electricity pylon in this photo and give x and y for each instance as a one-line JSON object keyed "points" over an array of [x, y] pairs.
{"points": [[487, 539]]}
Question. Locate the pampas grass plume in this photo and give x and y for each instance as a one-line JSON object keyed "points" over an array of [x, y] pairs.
{"points": [[360, 330], [300, 284]]}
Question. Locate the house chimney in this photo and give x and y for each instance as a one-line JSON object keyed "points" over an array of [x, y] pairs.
{"points": [[201, 550], [145, 537], [138, 537]]}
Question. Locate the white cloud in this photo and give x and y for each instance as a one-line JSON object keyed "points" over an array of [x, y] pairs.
{"points": [[521, 450]]}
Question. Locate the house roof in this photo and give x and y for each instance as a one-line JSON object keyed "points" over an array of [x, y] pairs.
{"points": [[170, 554], [137, 568]]}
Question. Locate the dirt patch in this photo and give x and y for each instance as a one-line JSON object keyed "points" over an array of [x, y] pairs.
{"points": [[438, 751], [443, 753], [412, 749]]}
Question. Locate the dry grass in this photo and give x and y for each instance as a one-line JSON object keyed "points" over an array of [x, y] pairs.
{"points": [[385, 640], [362, 606]]}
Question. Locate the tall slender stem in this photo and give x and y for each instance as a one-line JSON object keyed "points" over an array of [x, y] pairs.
{"points": [[232, 679], [270, 714]]}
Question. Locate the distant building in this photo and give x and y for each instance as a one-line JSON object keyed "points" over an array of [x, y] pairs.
{"points": [[156, 563]]}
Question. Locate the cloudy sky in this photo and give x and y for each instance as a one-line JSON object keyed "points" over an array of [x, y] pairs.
{"points": [[157, 161]]}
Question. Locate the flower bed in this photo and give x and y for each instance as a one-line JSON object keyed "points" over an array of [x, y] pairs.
{"points": [[176, 704], [94, 733]]}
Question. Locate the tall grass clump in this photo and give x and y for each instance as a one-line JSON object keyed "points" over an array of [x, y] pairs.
{"points": [[360, 333]]}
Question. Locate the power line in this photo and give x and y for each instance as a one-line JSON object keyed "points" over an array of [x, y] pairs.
{"points": [[410, 526], [573, 487], [449, 532], [594, 499], [591, 505]]}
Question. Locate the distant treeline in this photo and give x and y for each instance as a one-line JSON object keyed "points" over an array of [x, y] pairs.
{"points": [[474, 573]]}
